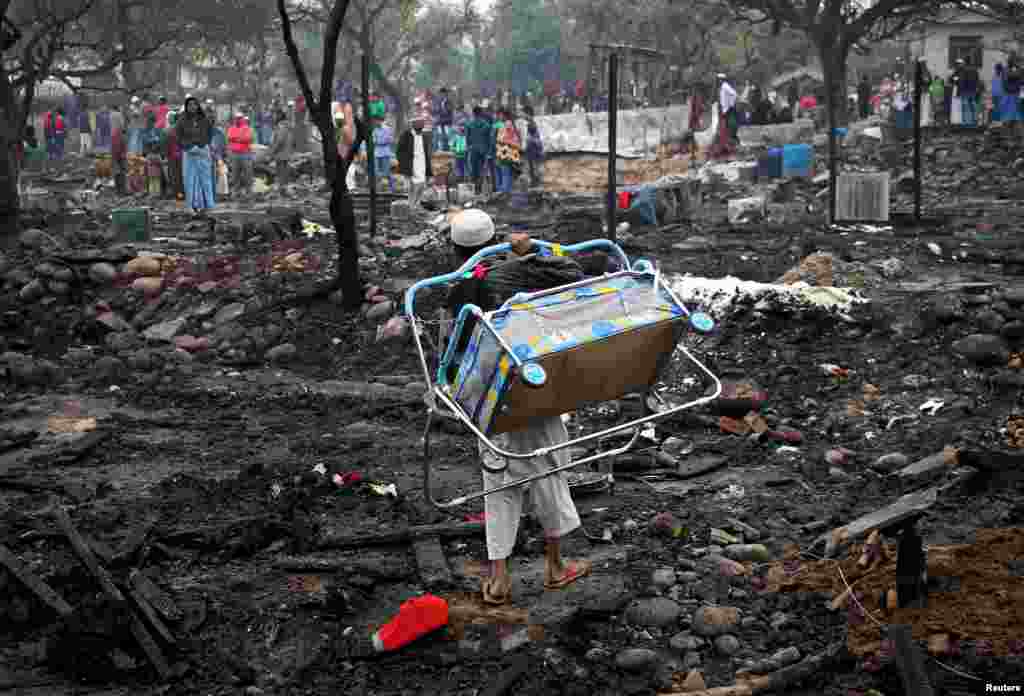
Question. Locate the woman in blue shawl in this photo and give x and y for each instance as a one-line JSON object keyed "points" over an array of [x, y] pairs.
{"points": [[194, 132]]}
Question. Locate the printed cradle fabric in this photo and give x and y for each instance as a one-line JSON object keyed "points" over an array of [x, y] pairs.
{"points": [[552, 324]]}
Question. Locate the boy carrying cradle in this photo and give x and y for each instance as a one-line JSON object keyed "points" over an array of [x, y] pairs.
{"points": [[471, 231]]}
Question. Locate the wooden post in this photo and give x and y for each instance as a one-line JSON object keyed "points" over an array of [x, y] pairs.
{"points": [[613, 112]]}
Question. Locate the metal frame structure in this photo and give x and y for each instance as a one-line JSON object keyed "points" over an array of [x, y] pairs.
{"points": [[637, 60], [440, 401]]}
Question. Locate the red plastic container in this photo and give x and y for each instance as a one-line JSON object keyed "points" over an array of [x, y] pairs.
{"points": [[415, 618], [624, 197]]}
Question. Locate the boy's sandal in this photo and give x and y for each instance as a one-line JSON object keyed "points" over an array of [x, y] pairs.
{"points": [[574, 570]]}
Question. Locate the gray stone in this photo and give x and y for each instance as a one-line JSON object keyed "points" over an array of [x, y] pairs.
{"points": [[890, 462], [37, 239], [703, 626], [229, 313], [786, 656], [663, 578], [32, 291], [122, 341], [113, 321], [108, 369], [890, 267], [691, 660], [282, 353], [946, 309], [727, 645], [58, 287], [982, 349], [165, 331], [749, 533], [916, 381], [1014, 296], [654, 612], [689, 576], [779, 620], [141, 360], [685, 642], [600, 655], [102, 273], [380, 311], [989, 320], [636, 659], [63, 274], [1013, 331]]}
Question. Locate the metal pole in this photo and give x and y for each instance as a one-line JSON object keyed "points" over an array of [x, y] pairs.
{"points": [[370, 160], [613, 112], [917, 142]]}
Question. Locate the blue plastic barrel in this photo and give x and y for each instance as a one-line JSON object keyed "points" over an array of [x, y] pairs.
{"points": [[797, 160]]}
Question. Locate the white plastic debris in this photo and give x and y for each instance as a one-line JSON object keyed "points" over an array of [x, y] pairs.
{"points": [[388, 490], [931, 406], [935, 248], [320, 469]]}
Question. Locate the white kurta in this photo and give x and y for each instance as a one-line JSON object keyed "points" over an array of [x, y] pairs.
{"points": [[552, 503], [419, 159]]}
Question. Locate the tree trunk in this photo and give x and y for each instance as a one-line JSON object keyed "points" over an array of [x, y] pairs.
{"points": [[343, 217], [12, 126], [833, 53]]}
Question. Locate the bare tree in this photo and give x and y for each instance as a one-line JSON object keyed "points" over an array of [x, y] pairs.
{"points": [[67, 41], [341, 208]]}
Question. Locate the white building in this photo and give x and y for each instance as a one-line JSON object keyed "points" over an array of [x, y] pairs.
{"points": [[980, 40]]}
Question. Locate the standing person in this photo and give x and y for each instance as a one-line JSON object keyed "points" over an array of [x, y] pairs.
{"points": [[937, 95], [119, 156], [240, 138], [864, 96], [458, 145], [162, 109], [264, 126], [136, 123], [281, 149], [1009, 107], [414, 161], [998, 92], [478, 132], [383, 153], [219, 158], [552, 501], [426, 116], [444, 120], [54, 132], [492, 146], [102, 138], [173, 156], [508, 149], [84, 132], [194, 134], [727, 106], [968, 94], [534, 149], [696, 108], [152, 149]]}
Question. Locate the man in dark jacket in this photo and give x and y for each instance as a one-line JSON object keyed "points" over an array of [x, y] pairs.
{"points": [[414, 161], [864, 96], [444, 121]]}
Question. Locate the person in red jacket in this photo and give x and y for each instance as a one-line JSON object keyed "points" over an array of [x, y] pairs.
{"points": [[55, 132], [240, 139]]}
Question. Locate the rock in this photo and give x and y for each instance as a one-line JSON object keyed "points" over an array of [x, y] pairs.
{"points": [[636, 659], [102, 273], [143, 266], [207, 286], [113, 321], [747, 552], [982, 349], [37, 239], [23, 369], [946, 309], [282, 353], [715, 621], [45, 270], [229, 313], [989, 320], [108, 369], [165, 331], [890, 462], [663, 578], [380, 310], [141, 360], [835, 457], [148, 285], [1014, 296], [394, 329], [665, 524], [1013, 331], [597, 655], [916, 381], [654, 612], [890, 268], [32, 291], [779, 620], [191, 344], [122, 341], [727, 645], [684, 642], [691, 660], [786, 656], [59, 287]]}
